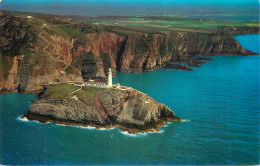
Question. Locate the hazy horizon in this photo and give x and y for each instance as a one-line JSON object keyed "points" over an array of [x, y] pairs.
{"points": [[220, 9]]}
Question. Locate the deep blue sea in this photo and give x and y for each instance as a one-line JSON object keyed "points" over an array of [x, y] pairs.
{"points": [[219, 102]]}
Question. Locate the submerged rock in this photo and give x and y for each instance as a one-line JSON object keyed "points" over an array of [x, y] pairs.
{"points": [[203, 58], [125, 108], [178, 66], [195, 62]]}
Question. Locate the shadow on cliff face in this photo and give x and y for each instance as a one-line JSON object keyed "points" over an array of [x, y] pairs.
{"points": [[87, 64], [120, 54]]}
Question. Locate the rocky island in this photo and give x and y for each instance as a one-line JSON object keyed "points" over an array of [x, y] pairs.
{"points": [[127, 108]]}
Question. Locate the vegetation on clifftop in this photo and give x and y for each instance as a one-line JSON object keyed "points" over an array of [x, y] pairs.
{"points": [[159, 23], [70, 31], [62, 91]]}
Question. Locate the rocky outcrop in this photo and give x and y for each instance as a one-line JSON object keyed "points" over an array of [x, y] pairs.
{"points": [[233, 31], [69, 50], [128, 109]]}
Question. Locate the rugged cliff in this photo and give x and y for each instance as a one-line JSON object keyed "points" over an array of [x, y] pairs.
{"points": [[49, 48], [103, 108]]}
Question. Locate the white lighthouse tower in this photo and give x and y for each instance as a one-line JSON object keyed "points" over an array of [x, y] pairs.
{"points": [[109, 80]]}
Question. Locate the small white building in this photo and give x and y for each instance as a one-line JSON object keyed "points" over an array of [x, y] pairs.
{"points": [[118, 86], [75, 97], [29, 17]]}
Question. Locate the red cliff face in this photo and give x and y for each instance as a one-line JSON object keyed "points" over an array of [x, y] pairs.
{"points": [[152, 51], [104, 47], [32, 55], [11, 81]]}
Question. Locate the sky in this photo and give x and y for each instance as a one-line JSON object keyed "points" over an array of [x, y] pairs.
{"points": [[186, 8], [143, 1]]}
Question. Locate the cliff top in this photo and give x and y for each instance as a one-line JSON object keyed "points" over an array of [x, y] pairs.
{"points": [[166, 23], [132, 25], [64, 90]]}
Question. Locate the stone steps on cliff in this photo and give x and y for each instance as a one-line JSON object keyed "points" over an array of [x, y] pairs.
{"points": [[25, 72]]}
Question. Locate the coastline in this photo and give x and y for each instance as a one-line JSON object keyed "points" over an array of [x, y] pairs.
{"points": [[122, 129], [44, 120], [57, 48]]}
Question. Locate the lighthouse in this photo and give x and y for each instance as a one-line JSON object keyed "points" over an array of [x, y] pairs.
{"points": [[109, 80]]}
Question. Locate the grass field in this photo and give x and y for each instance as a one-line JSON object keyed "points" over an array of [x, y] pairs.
{"points": [[88, 91], [69, 31], [62, 91], [168, 23]]}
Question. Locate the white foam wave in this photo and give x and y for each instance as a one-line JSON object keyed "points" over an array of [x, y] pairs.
{"points": [[141, 134], [60, 124], [107, 129], [127, 133], [185, 120], [93, 128], [24, 119], [83, 127], [167, 124], [161, 131]]}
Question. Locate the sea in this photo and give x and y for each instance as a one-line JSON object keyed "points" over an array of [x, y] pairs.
{"points": [[219, 103]]}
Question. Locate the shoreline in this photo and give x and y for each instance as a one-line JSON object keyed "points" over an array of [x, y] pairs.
{"points": [[161, 123], [122, 131]]}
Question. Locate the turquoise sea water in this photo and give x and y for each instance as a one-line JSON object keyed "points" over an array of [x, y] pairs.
{"points": [[220, 102]]}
